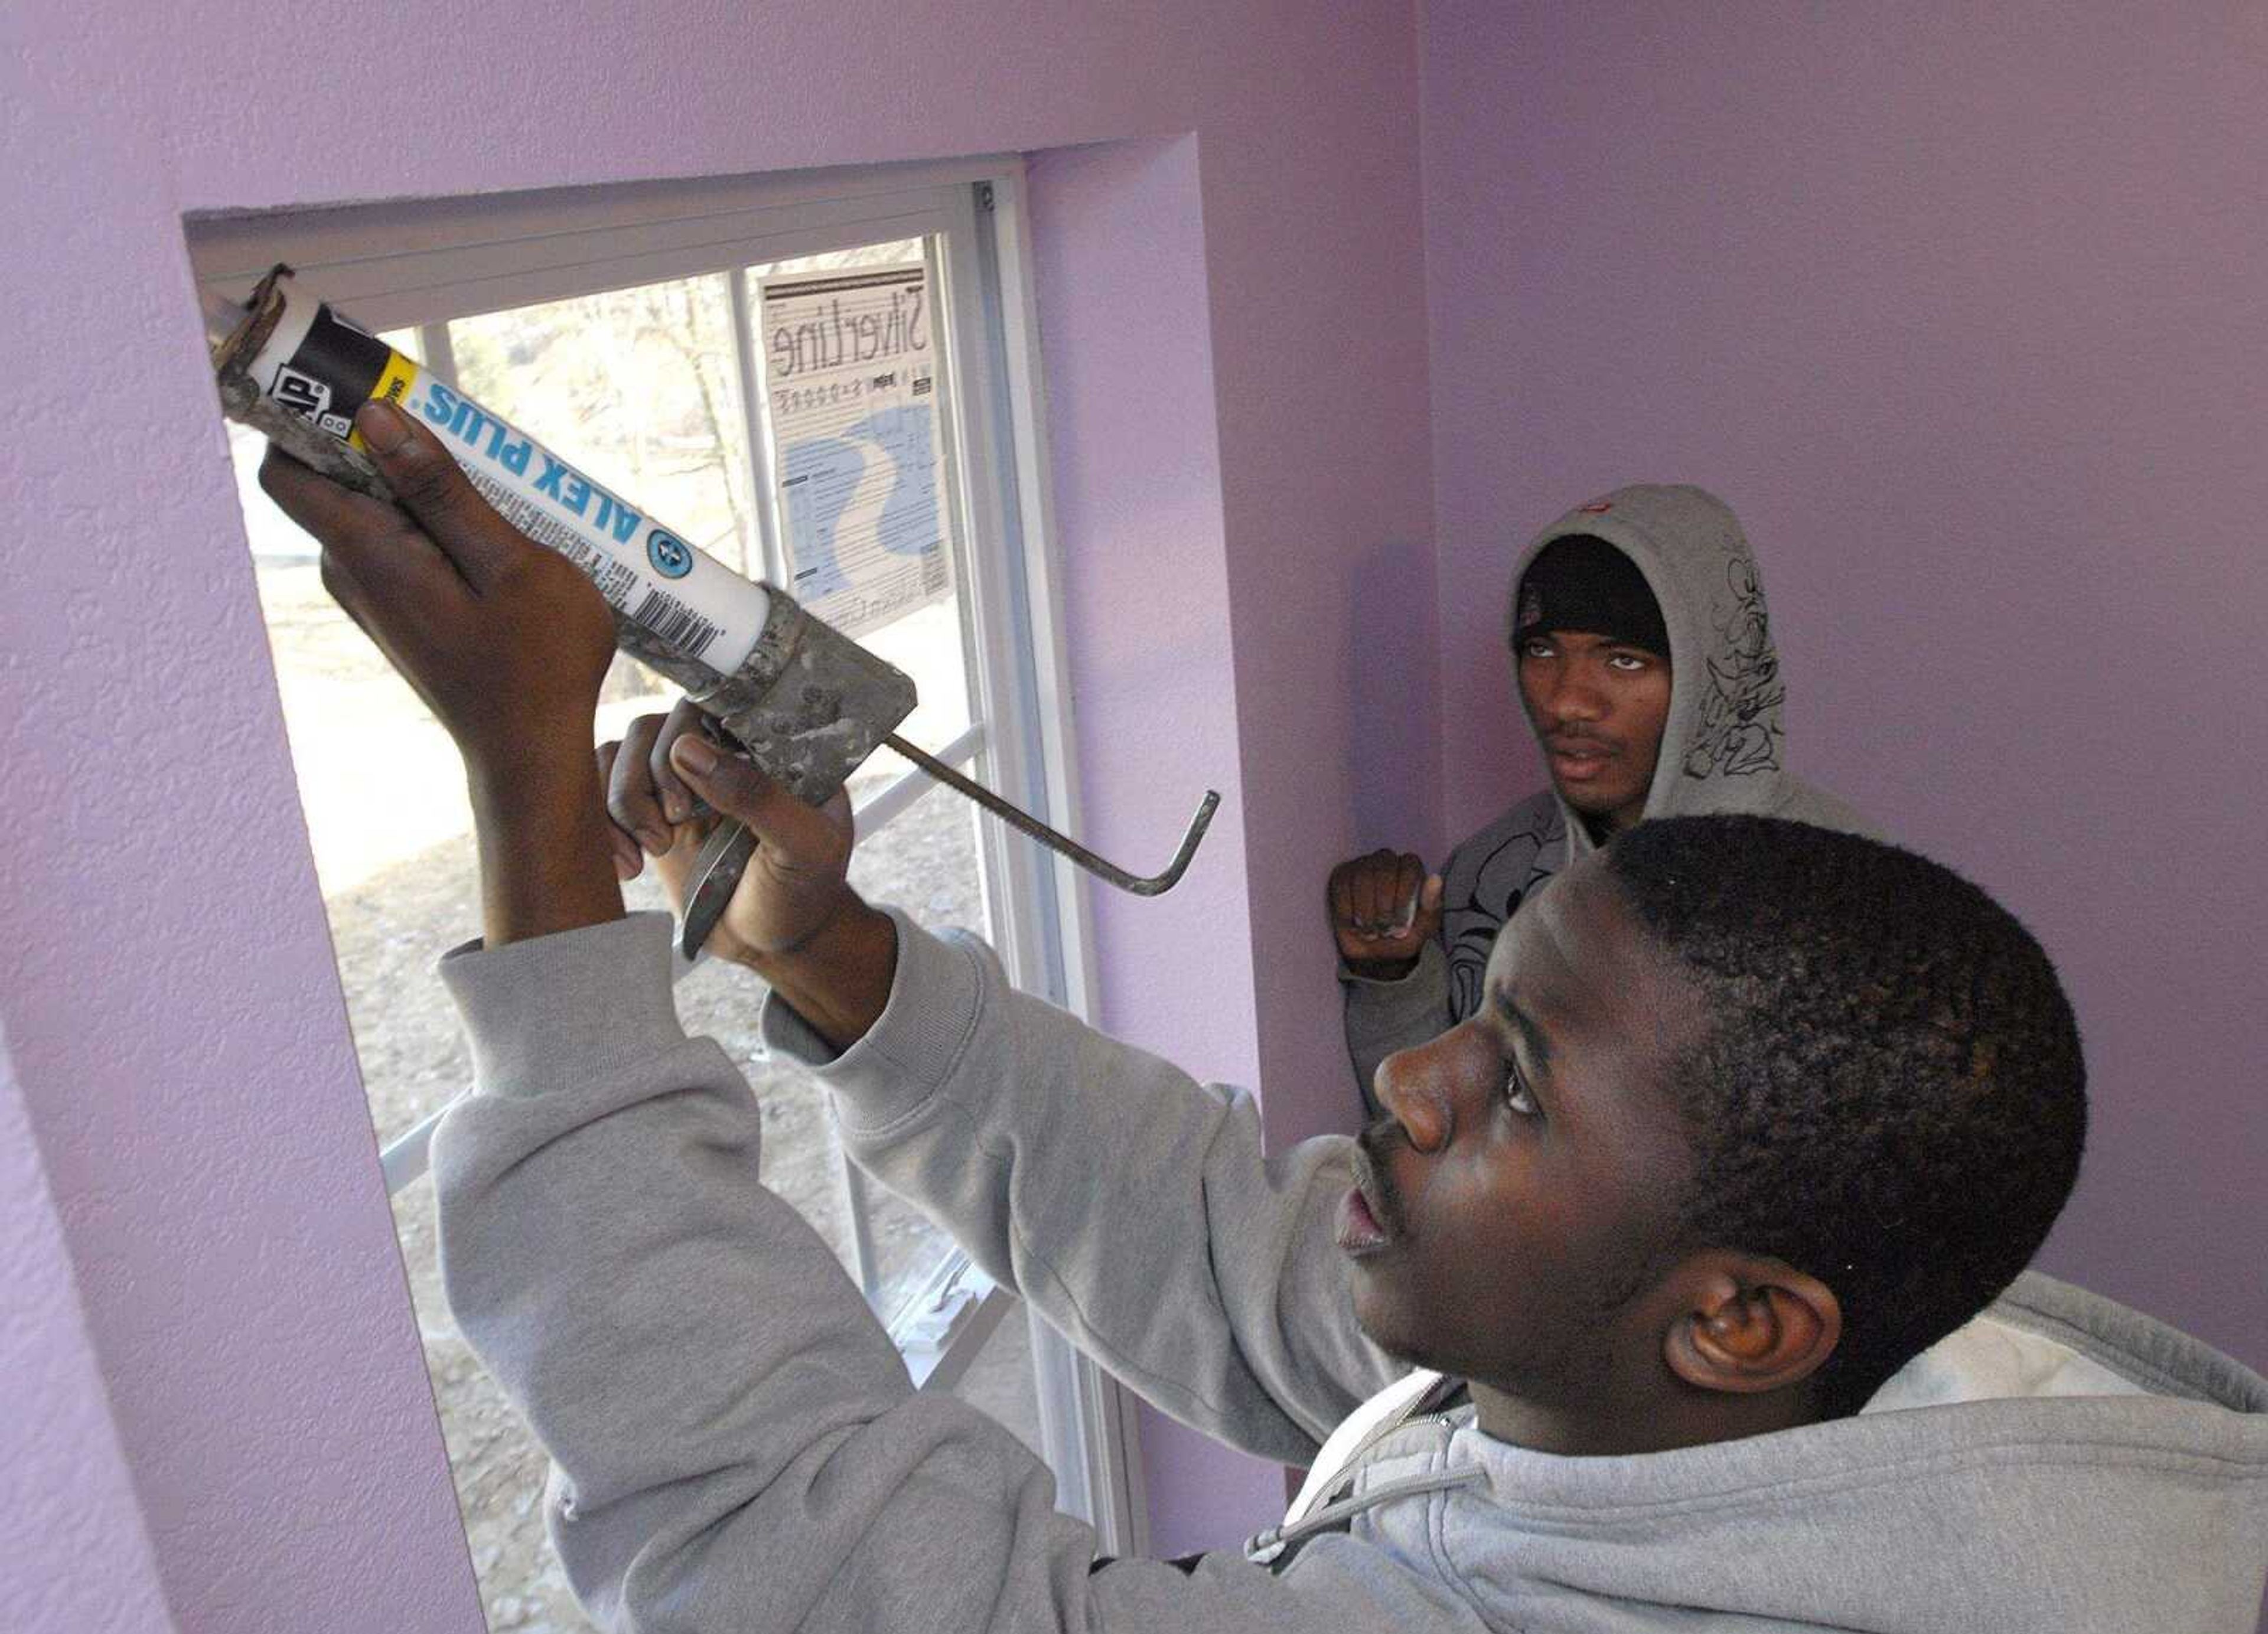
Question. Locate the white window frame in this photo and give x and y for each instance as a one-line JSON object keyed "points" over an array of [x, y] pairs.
{"points": [[419, 265]]}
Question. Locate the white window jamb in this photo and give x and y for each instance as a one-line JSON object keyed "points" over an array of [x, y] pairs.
{"points": [[1087, 1420]]}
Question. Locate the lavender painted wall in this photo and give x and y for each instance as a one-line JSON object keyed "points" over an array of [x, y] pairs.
{"points": [[165, 973], [1122, 303], [71, 1532], [1961, 319], [1960, 310]]}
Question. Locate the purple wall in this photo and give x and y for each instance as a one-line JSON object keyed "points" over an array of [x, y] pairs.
{"points": [[1964, 323], [71, 1532], [1964, 317], [1122, 302], [166, 981]]}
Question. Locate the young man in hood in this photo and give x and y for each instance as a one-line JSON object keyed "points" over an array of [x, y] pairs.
{"points": [[1753, 1120], [1644, 664]]}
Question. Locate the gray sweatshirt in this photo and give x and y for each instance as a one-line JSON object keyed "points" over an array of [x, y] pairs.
{"points": [[737, 1447], [1721, 751]]}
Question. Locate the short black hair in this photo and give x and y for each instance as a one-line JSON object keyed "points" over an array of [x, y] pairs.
{"points": [[1890, 1095]]}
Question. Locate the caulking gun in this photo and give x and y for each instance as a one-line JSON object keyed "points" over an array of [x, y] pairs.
{"points": [[806, 703]]}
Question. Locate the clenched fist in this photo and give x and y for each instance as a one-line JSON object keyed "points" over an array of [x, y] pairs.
{"points": [[1384, 908]]}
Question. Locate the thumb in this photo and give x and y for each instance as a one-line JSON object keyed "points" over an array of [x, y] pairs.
{"points": [[433, 487], [1429, 903], [734, 787]]}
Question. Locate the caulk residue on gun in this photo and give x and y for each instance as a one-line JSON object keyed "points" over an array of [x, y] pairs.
{"points": [[322, 368]]}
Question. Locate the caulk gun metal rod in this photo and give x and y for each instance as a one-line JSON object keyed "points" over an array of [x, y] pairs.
{"points": [[717, 873], [1023, 822]]}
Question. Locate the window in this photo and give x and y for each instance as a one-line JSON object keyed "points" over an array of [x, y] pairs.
{"points": [[673, 341]]}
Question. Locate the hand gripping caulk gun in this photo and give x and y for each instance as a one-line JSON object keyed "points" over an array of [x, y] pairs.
{"points": [[806, 703]]}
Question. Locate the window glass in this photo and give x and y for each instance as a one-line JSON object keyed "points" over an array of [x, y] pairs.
{"points": [[998, 1382], [642, 387]]}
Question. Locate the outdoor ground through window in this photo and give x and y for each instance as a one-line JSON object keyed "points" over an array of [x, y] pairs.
{"points": [[386, 812]]}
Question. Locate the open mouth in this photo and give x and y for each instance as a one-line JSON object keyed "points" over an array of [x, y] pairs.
{"points": [[1362, 1214]]}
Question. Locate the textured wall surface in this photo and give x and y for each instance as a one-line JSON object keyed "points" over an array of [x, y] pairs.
{"points": [[166, 976], [1960, 309], [71, 1531]]}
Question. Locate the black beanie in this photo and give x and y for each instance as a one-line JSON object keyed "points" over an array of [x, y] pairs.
{"points": [[1580, 582]]}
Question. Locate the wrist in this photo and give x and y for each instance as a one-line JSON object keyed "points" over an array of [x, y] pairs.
{"points": [[1382, 969], [526, 780], [547, 864], [846, 940], [838, 978], [837, 926]]}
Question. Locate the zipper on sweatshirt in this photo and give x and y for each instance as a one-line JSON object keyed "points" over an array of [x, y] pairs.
{"points": [[1330, 1511], [1274, 1548], [1431, 1397]]}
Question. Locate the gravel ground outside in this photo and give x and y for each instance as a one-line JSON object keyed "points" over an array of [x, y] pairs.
{"points": [[387, 815]]}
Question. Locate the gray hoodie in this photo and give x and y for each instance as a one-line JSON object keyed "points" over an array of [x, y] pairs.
{"points": [[737, 1447], [1721, 751]]}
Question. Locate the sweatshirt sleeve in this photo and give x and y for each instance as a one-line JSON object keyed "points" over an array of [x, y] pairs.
{"points": [[1383, 1017], [1130, 1204], [735, 1445]]}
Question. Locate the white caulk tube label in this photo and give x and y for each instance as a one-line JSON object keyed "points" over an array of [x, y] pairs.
{"points": [[323, 368]]}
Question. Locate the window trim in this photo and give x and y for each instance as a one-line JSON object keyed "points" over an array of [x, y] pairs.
{"points": [[414, 262]]}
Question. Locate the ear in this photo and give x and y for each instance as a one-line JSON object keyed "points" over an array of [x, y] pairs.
{"points": [[1748, 1325]]}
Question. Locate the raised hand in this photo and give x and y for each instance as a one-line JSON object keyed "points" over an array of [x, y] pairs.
{"points": [[506, 641], [793, 918], [1384, 908]]}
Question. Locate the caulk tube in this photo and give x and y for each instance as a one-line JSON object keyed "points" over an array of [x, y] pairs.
{"points": [[807, 702], [320, 367]]}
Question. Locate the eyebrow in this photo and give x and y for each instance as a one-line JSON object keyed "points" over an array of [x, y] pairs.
{"points": [[1507, 1008]]}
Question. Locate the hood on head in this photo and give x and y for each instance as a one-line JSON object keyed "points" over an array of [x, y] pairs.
{"points": [[1721, 746]]}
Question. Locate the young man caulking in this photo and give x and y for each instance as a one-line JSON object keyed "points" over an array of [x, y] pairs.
{"points": [[1753, 1121], [1646, 667]]}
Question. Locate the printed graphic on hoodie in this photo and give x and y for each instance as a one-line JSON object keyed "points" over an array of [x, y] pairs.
{"points": [[1740, 710]]}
